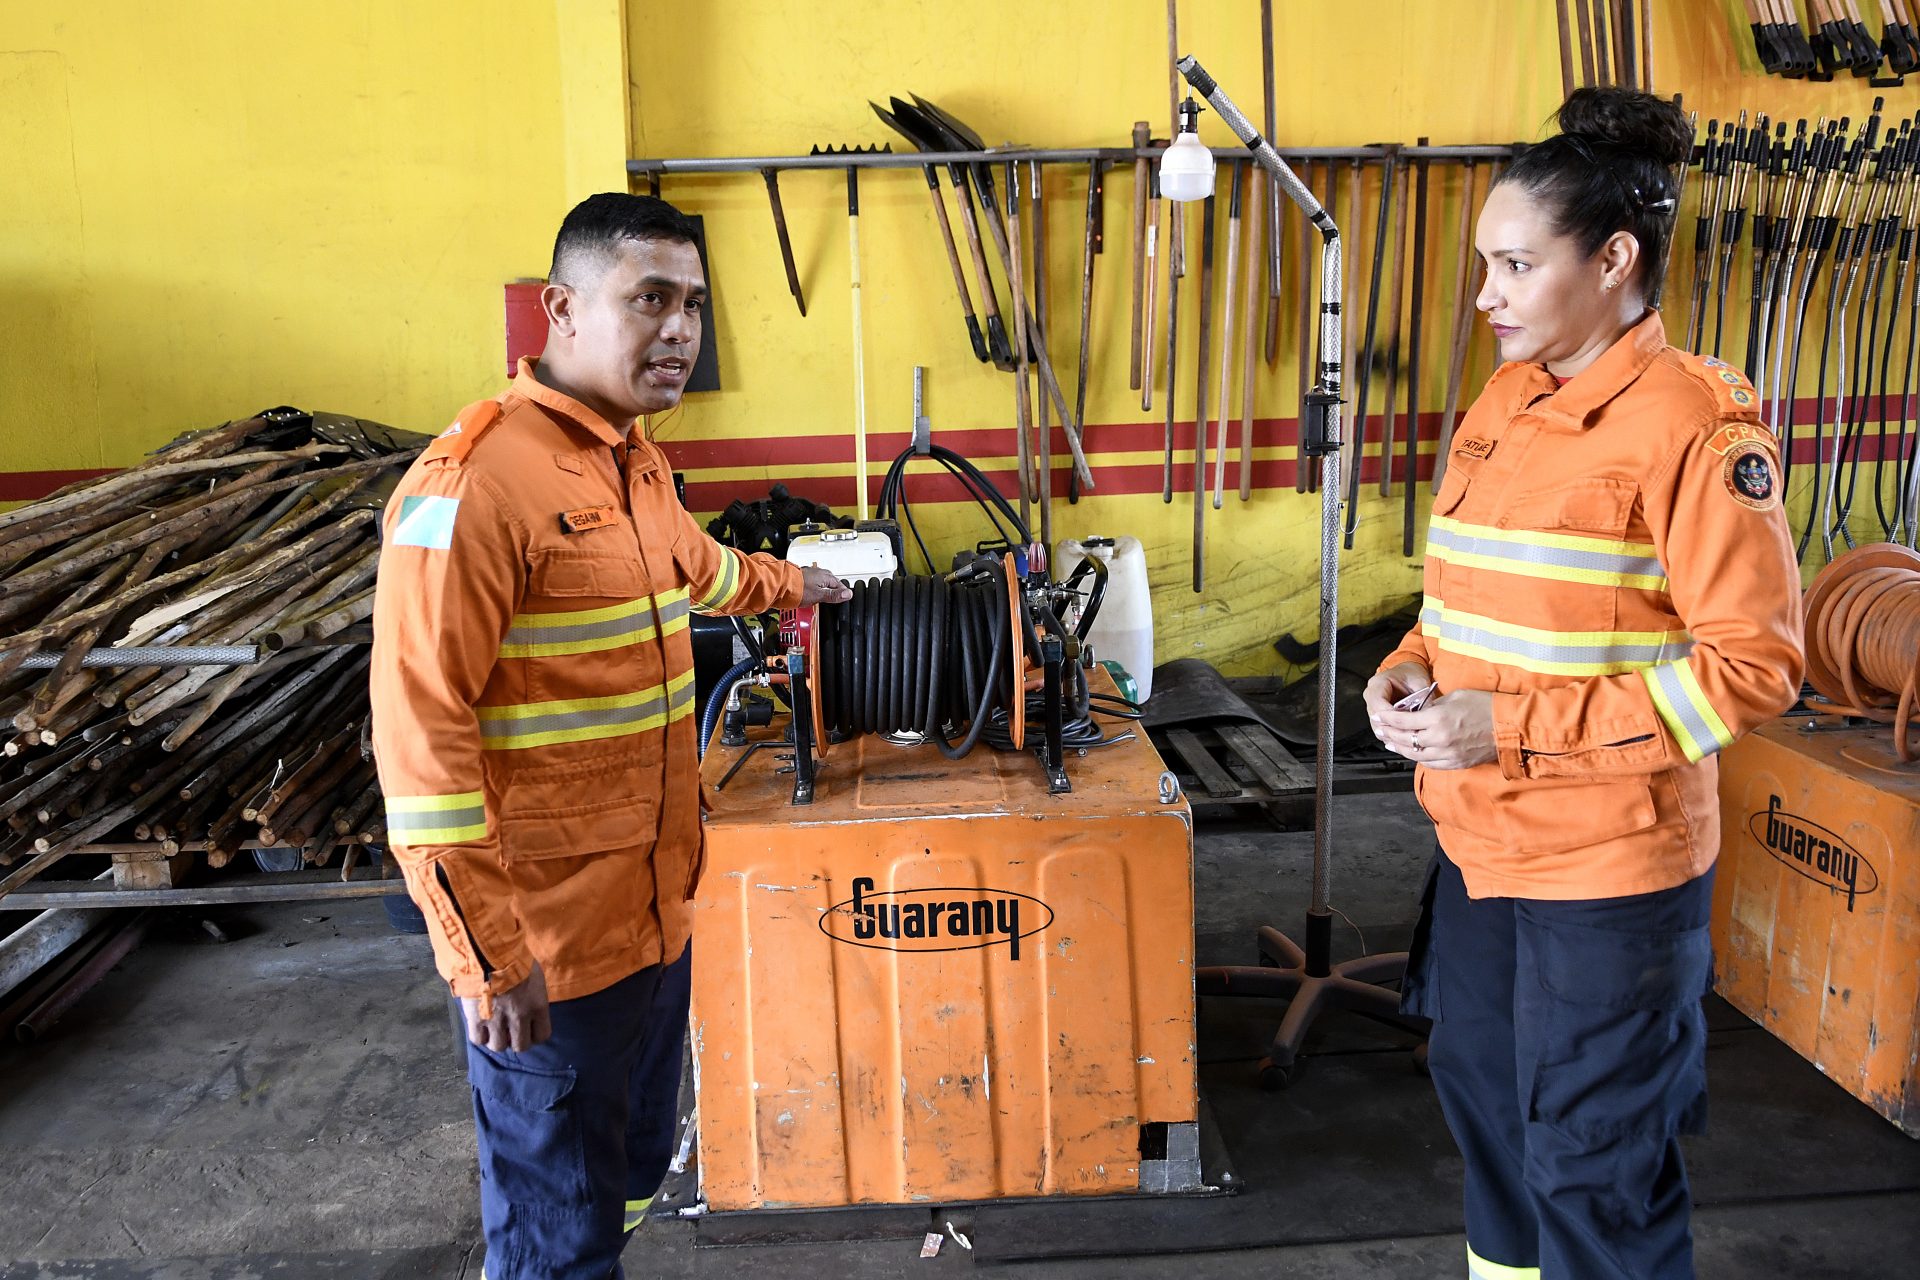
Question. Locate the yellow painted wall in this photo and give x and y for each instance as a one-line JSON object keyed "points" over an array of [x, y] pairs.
{"points": [[771, 79], [216, 205]]}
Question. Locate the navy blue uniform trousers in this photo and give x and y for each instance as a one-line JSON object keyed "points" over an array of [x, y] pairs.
{"points": [[576, 1133], [1569, 1053]]}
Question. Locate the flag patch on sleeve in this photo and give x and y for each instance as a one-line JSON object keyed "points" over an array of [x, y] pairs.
{"points": [[425, 522]]}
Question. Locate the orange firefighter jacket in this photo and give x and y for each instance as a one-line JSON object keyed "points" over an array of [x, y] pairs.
{"points": [[532, 685], [1609, 557]]}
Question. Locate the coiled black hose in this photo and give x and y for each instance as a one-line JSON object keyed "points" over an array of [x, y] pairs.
{"points": [[914, 654]]}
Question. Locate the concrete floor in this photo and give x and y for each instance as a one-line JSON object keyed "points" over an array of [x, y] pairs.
{"points": [[288, 1104]]}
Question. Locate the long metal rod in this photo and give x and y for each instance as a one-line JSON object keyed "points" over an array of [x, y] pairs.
{"points": [[1330, 493], [1081, 155], [287, 886], [154, 655]]}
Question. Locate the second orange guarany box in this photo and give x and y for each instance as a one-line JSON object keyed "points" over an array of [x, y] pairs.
{"points": [[939, 982]]}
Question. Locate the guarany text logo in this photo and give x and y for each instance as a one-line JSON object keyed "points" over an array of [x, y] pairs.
{"points": [[1813, 851], [937, 919]]}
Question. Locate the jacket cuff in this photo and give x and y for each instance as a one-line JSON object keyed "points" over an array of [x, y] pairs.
{"points": [[796, 588], [471, 986], [1506, 736]]}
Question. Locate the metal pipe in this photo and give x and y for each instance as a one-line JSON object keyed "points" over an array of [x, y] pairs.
{"points": [[154, 655], [1330, 496], [1024, 155], [37, 1020], [35, 944]]}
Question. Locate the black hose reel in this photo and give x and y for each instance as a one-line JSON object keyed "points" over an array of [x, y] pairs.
{"points": [[983, 654]]}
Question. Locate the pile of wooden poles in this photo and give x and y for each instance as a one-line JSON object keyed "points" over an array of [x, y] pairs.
{"points": [[181, 664], [1826, 216]]}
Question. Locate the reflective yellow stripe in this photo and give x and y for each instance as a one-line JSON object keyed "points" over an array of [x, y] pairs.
{"points": [[1562, 653], [546, 635], [539, 724], [1558, 557], [448, 819], [726, 584], [1684, 709], [1478, 1268], [637, 1212]]}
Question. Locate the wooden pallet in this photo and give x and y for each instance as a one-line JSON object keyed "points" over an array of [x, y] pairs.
{"points": [[1240, 763]]}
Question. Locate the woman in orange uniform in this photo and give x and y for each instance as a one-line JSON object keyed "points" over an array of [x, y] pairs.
{"points": [[1611, 599]]}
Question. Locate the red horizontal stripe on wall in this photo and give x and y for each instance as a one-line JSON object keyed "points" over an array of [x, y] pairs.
{"points": [[25, 486]]}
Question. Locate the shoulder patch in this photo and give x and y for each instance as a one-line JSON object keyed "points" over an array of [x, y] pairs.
{"points": [[1729, 387], [425, 521], [1729, 436], [457, 441], [1748, 475]]}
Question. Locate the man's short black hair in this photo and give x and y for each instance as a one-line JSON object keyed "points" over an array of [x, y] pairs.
{"points": [[593, 231]]}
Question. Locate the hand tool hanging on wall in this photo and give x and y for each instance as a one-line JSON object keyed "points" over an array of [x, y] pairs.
{"points": [[1584, 22], [1092, 244], [1042, 300], [1769, 224], [1395, 357], [926, 136], [1382, 218], [1566, 49], [975, 338], [1739, 162], [1229, 307], [1460, 337], [1016, 289], [1833, 335], [772, 177], [1256, 210], [1350, 292], [961, 137], [1703, 225], [1626, 51], [1303, 332], [1410, 476], [859, 336], [1826, 158], [1155, 240], [1900, 233], [1176, 271], [1200, 373], [1274, 257], [1136, 361]]}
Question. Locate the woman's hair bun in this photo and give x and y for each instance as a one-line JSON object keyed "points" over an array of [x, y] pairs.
{"points": [[1630, 120]]}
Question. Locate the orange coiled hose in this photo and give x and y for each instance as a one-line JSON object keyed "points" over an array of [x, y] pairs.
{"points": [[1863, 637]]}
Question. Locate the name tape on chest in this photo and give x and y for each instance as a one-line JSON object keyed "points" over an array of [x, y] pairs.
{"points": [[583, 519], [1475, 447]]}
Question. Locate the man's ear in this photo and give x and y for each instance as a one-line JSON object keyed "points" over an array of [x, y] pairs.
{"points": [[557, 301]]}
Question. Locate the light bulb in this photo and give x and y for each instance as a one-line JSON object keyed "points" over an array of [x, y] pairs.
{"points": [[1186, 167]]}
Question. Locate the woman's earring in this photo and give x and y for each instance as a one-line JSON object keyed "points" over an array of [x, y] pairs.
{"points": [[1610, 285]]}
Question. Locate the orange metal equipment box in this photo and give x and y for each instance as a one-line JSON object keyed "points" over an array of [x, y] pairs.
{"points": [[939, 982], [1816, 913]]}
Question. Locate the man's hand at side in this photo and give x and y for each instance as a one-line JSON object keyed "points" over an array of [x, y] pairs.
{"points": [[520, 1019], [824, 588]]}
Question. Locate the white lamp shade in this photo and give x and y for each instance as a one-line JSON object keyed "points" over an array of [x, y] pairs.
{"points": [[1186, 169]]}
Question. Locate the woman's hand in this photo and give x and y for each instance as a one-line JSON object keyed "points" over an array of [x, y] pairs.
{"points": [[1454, 731], [1390, 686]]}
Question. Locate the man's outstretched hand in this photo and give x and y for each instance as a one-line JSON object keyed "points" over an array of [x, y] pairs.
{"points": [[520, 1018], [824, 588]]}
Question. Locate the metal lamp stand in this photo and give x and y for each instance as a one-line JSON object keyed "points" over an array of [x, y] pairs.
{"points": [[1306, 976]]}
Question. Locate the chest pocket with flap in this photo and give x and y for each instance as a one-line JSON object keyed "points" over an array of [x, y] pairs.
{"points": [[582, 625], [1572, 538]]}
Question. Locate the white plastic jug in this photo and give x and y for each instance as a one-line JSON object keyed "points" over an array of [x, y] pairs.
{"points": [[1123, 629]]}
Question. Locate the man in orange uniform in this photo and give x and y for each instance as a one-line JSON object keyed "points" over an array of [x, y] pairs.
{"points": [[534, 724], [1611, 599]]}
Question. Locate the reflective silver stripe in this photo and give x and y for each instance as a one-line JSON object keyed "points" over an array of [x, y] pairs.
{"points": [[637, 624], [1572, 653], [1556, 554], [724, 583], [613, 717], [1698, 735], [406, 823]]}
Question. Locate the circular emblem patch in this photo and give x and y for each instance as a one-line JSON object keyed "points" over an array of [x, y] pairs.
{"points": [[1749, 478], [1742, 398], [1731, 378]]}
